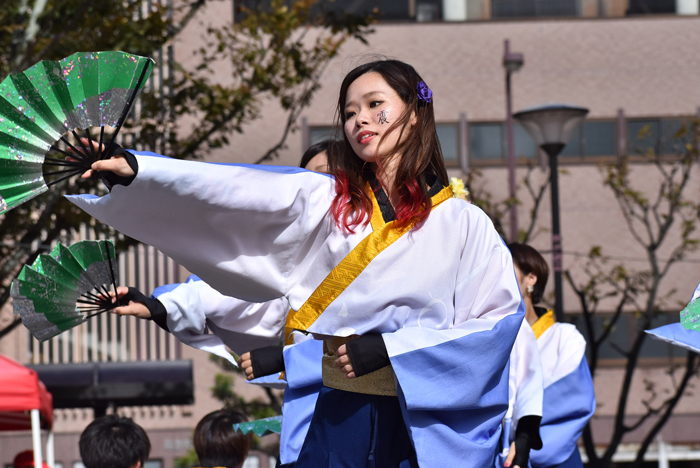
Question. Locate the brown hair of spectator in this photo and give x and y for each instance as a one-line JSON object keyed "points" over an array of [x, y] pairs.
{"points": [[217, 443], [529, 261]]}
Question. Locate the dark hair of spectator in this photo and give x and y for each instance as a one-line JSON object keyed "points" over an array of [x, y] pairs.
{"points": [[529, 261], [329, 146], [217, 444], [113, 442], [313, 150]]}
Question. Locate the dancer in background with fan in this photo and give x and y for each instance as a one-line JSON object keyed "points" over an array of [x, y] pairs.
{"points": [[189, 309], [418, 320], [569, 398]]}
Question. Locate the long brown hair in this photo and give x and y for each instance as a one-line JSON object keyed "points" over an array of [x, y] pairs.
{"points": [[420, 153]]}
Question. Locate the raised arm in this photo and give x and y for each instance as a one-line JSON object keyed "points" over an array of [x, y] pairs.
{"points": [[238, 227]]}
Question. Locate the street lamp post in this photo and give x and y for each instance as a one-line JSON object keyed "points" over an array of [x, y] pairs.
{"points": [[512, 62], [551, 127]]}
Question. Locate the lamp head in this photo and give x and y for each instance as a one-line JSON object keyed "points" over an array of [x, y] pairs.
{"points": [[513, 61], [551, 123]]}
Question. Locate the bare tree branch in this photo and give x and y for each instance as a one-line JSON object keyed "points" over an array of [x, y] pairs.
{"points": [[691, 369]]}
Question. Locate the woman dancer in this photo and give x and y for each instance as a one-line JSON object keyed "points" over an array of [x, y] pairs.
{"points": [[569, 398], [412, 290]]}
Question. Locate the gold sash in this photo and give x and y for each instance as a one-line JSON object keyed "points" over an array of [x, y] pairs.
{"points": [[543, 323], [381, 237]]}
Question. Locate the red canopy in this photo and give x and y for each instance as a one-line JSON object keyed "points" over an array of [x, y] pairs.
{"points": [[22, 391]]}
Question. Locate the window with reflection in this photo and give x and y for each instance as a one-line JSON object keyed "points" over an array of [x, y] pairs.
{"points": [[532, 8], [655, 136], [486, 141], [646, 7], [448, 134], [593, 138], [600, 138], [317, 134]]}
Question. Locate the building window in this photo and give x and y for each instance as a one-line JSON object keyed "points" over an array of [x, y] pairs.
{"points": [[384, 10], [486, 141], [658, 136], [599, 138], [448, 134], [646, 7], [594, 138], [317, 134], [532, 8]]}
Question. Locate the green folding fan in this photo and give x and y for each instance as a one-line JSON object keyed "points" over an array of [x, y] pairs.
{"points": [[41, 105], [261, 427], [63, 289]]}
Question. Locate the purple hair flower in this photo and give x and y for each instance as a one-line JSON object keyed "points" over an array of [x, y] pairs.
{"points": [[424, 93]]}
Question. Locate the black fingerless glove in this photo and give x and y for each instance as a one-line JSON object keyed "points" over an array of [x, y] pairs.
{"points": [[267, 361], [158, 313], [367, 354], [527, 437], [111, 179]]}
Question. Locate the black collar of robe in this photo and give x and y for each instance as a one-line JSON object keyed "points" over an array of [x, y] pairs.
{"points": [[388, 213]]}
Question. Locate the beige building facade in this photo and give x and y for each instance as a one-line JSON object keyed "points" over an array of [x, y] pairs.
{"points": [[629, 71]]}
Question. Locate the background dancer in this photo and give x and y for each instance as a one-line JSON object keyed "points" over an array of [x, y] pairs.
{"points": [[569, 398]]}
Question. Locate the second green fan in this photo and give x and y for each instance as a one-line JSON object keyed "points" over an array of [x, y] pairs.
{"points": [[63, 289]]}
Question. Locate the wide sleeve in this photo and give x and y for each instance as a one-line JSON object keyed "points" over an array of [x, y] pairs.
{"points": [[454, 382], [526, 369], [241, 228], [202, 317], [302, 362], [569, 397]]}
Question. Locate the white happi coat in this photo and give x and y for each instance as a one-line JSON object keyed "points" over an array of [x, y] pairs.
{"points": [[569, 397]]}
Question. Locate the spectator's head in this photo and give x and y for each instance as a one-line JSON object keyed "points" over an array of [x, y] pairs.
{"points": [[217, 444], [26, 460], [316, 157], [114, 442], [531, 270]]}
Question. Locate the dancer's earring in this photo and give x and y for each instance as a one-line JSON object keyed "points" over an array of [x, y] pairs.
{"points": [[530, 289]]}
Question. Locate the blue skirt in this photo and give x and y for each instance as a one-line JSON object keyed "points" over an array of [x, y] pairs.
{"points": [[354, 430], [574, 461]]}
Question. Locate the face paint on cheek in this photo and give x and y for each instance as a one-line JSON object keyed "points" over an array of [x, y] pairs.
{"points": [[382, 116]]}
